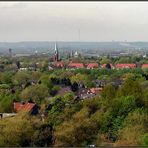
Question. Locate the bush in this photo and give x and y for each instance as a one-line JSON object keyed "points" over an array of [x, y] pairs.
{"points": [[144, 141]]}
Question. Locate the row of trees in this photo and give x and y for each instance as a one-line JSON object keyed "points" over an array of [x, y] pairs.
{"points": [[37, 86]]}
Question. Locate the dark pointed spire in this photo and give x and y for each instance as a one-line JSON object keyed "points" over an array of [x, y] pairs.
{"points": [[56, 52]]}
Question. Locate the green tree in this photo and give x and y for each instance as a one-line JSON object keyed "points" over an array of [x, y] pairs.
{"points": [[37, 93], [74, 128], [78, 78], [15, 131], [144, 141], [131, 87], [125, 60], [5, 78], [105, 61], [6, 103], [109, 92], [45, 79], [36, 76], [123, 105], [134, 129], [21, 78]]}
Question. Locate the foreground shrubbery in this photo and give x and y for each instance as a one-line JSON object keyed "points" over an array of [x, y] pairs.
{"points": [[118, 116]]}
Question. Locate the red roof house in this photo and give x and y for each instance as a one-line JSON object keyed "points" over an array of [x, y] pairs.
{"points": [[144, 66], [92, 65], [121, 66], [27, 107], [76, 65]]}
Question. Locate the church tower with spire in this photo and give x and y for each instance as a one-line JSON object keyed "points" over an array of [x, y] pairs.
{"points": [[56, 53]]}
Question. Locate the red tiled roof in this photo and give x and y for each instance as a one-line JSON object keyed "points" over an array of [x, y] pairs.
{"points": [[92, 65], [25, 107], [104, 65], [18, 106], [144, 66], [76, 65], [125, 65], [59, 64], [96, 90]]}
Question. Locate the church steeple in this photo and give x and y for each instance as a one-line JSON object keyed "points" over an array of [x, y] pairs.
{"points": [[56, 53]]}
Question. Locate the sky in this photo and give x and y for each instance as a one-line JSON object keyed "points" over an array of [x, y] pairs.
{"points": [[73, 21]]}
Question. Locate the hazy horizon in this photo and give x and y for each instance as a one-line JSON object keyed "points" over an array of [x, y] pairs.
{"points": [[74, 21]]}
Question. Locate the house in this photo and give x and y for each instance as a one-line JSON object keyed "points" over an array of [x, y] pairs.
{"points": [[82, 93], [100, 83], [95, 90], [23, 69], [124, 65], [59, 64], [64, 90], [7, 115], [50, 68], [92, 65], [31, 108], [144, 66], [75, 65], [32, 68]]}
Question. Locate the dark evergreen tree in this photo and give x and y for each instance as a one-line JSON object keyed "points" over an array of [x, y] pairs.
{"points": [[108, 66]]}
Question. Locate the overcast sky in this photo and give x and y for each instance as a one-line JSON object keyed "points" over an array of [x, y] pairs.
{"points": [[73, 21]]}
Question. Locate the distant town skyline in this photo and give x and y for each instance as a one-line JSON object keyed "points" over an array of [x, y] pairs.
{"points": [[73, 21]]}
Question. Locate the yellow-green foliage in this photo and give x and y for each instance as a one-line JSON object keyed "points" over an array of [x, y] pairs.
{"points": [[15, 131], [78, 78], [36, 92], [135, 126], [77, 132], [21, 78]]}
